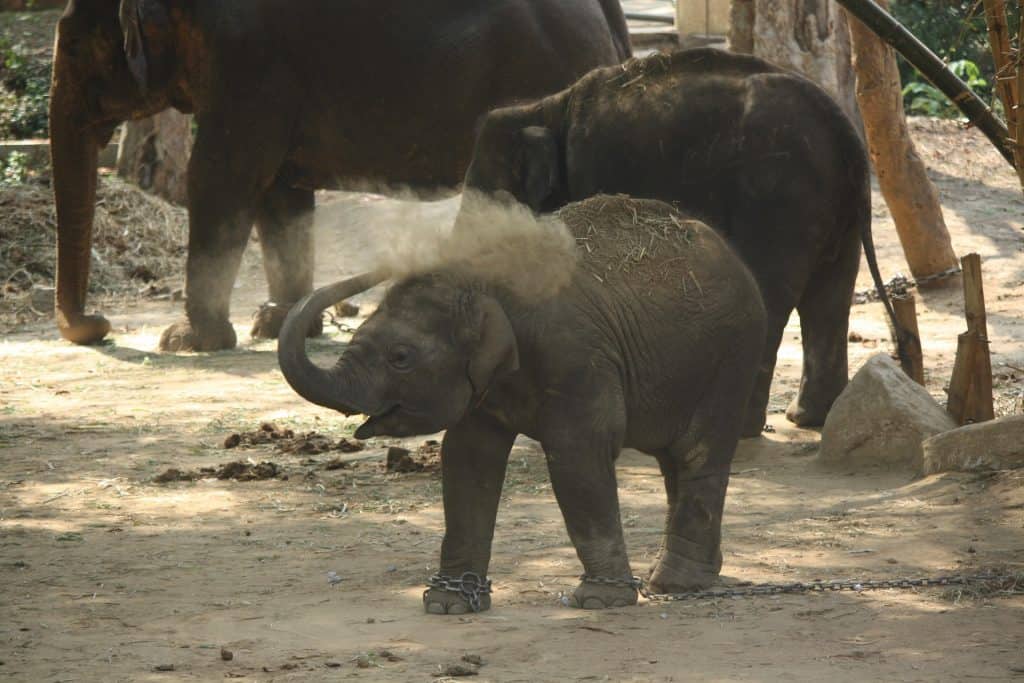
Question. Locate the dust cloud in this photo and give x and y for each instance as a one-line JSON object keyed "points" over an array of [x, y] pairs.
{"points": [[495, 240]]}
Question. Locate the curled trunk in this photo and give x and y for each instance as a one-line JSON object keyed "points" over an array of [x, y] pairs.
{"points": [[315, 384]]}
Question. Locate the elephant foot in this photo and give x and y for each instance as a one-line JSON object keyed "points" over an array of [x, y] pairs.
{"points": [[674, 573], [593, 595], [267, 322], [182, 336], [457, 594], [806, 413], [753, 425], [437, 601], [85, 329]]}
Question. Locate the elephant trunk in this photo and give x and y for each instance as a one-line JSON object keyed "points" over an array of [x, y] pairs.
{"points": [[315, 384], [74, 152]]}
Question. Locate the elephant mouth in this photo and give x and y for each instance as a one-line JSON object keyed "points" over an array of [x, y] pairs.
{"points": [[395, 420]]}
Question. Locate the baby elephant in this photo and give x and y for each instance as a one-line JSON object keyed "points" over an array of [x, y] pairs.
{"points": [[652, 342]]}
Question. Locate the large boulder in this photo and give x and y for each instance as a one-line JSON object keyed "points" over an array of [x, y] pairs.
{"points": [[993, 445], [880, 419]]}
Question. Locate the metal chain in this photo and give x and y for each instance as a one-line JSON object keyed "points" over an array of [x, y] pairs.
{"points": [[470, 586], [899, 284], [818, 586]]}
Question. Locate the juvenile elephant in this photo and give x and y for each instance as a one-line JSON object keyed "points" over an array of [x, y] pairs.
{"points": [[289, 96], [763, 155], [653, 343]]}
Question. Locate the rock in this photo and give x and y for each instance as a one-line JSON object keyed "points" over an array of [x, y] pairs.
{"points": [[881, 418], [346, 309], [42, 299], [996, 444], [226, 654], [400, 460]]}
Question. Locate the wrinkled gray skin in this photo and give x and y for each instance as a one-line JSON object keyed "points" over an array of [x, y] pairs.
{"points": [[762, 155], [290, 96], [643, 359]]}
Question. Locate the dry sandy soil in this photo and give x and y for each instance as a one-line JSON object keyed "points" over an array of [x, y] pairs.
{"points": [[108, 575]]}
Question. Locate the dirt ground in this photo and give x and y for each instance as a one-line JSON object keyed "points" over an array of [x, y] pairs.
{"points": [[108, 575]]}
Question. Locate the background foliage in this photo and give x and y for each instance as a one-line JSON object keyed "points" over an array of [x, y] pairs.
{"points": [[955, 30]]}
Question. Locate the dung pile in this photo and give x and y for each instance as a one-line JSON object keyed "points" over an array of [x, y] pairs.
{"points": [[137, 238]]}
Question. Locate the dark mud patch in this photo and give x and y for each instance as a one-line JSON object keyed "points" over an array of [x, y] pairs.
{"points": [[426, 458], [287, 441], [236, 470]]}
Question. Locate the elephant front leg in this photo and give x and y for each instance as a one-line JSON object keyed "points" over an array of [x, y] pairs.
{"points": [[583, 478], [285, 225], [217, 238], [474, 456], [234, 157]]}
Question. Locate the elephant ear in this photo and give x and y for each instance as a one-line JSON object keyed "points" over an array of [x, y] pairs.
{"points": [[491, 340], [540, 165], [133, 15]]}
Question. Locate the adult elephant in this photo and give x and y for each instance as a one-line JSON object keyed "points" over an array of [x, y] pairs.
{"points": [[290, 96], [759, 153]]}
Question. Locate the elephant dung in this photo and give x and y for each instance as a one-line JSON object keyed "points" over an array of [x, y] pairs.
{"points": [[996, 445], [881, 418]]}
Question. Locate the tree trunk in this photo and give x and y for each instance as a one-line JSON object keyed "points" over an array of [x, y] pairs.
{"points": [[154, 154], [810, 37], [911, 197]]}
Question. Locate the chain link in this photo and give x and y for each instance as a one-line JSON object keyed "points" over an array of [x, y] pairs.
{"points": [[634, 582], [819, 586], [470, 586]]}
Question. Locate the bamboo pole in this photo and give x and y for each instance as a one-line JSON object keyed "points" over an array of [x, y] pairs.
{"points": [[906, 315], [932, 68], [1019, 133], [1007, 77]]}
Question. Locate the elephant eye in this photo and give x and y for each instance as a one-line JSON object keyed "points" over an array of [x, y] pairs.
{"points": [[400, 357]]}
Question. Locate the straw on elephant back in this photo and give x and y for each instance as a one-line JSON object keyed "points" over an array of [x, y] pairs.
{"points": [[620, 236]]}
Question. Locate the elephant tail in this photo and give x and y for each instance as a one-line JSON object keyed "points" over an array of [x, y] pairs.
{"points": [[903, 338], [616, 19]]}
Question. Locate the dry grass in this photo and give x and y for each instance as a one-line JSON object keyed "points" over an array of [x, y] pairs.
{"points": [[617, 234], [137, 239], [1003, 584]]}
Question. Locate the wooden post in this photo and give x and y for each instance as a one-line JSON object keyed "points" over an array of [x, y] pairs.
{"points": [[906, 315], [970, 387], [960, 382]]}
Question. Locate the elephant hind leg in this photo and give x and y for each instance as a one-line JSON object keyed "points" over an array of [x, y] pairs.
{"points": [[284, 221], [696, 472], [824, 323], [690, 557]]}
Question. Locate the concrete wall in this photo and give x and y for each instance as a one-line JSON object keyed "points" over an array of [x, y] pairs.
{"points": [[702, 16]]}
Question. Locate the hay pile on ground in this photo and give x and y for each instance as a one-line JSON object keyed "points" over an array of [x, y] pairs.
{"points": [[137, 239], [618, 235]]}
